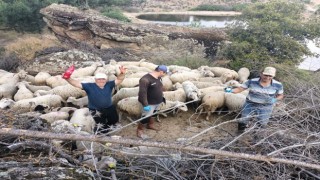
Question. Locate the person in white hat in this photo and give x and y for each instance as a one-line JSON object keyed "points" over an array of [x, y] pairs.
{"points": [[264, 92], [150, 96], [100, 98]]}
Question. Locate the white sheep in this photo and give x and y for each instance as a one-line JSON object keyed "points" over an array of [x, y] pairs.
{"points": [[234, 102], [135, 69], [86, 71], [232, 83], [26, 105], [80, 102], [8, 90], [191, 90], [13, 78], [148, 65], [129, 83], [217, 71], [55, 81], [176, 68], [243, 73], [135, 74], [177, 95], [23, 92], [34, 88], [207, 90], [54, 116], [83, 118], [212, 101], [63, 91], [201, 85], [215, 80], [184, 76], [229, 75], [124, 93], [40, 78], [132, 106], [167, 83]]}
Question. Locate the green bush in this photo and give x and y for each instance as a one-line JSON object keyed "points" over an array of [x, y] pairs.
{"points": [[209, 7], [114, 13], [190, 62]]}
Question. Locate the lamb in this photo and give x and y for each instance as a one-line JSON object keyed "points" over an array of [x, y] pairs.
{"points": [[229, 75], [63, 91], [177, 95], [243, 73], [80, 102], [40, 78], [54, 116], [124, 93], [83, 118], [26, 105], [132, 106], [191, 90], [86, 71], [212, 101], [23, 92], [234, 102]]}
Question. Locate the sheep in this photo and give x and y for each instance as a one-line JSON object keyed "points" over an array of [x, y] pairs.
{"points": [[148, 65], [135, 69], [40, 78], [34, 88], [229, 75], [191, 90], [55, 81], [234, 102], [135, 74], [200, 84], [62, 126], [129, 82], [184, 76], [167, 83], [63, 91], [54, 116], [207, 90], [26, 105], [23, 92], [80, 102], [132, 106], [177, 95], [232, 83], [212, 101], [176, 68], [215, 80], [86, 71], [124, 93], [13, 78], [8, 90], [217, 71], [243, 73], [82, 117], [88, 146]]}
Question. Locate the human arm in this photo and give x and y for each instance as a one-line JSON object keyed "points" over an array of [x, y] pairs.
{"points": [[235, 90], [121, 76], [143, 91]]}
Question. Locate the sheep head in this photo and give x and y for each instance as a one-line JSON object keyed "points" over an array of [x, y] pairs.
{"points": [[6, 103], [181, 106]]}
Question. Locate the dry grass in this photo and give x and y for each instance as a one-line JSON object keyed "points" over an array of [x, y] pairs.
{"points": [[26, 46]]}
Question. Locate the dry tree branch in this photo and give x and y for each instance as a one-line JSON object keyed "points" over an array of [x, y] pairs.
{"points": [[48, 135]]}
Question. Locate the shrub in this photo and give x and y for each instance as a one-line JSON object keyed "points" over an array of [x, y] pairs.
{"points": [[114, 13], [190, 62], [10, 62]]}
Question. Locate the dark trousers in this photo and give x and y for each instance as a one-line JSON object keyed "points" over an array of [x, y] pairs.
{"points": [[106, 117]]}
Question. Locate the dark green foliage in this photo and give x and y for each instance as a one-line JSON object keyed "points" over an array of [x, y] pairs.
{"points": [[268, 33], [114, 13], [209, 7], [9, 63]]}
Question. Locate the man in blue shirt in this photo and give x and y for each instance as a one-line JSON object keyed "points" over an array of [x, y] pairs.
{"points": [[264, 92], [100, 98]]}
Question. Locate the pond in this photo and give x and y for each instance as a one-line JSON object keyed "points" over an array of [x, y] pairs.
{"points": [[188, 20], [311, 63]]}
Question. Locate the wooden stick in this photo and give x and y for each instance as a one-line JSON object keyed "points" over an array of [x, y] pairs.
{"points": [[181, 147]]}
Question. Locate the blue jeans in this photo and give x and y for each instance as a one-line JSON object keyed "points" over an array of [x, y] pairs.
{"points": [[261, 111]]}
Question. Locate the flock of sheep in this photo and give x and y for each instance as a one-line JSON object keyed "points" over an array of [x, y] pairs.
{"points": [[24, 93]]}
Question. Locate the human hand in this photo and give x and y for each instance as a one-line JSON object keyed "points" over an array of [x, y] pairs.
{"points": [[147, 108], [68, 72], [274, 100], [228, 89], [123, 70]]}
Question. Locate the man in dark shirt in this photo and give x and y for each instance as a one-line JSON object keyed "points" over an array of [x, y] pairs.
{"points": [[100, 98], [150, 96]]}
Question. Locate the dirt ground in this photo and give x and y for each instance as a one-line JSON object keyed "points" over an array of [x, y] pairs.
{"points": [[184, 125]]}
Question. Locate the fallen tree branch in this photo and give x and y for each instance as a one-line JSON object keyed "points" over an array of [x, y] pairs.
{"points": [[181, 147]]}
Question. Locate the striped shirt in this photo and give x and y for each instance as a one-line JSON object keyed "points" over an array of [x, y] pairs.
{"points": [[260, 94]]}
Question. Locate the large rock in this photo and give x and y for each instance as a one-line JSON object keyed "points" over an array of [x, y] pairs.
{"points": [[150, 41]]}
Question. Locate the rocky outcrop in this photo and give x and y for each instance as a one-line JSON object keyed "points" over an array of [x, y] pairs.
{"points": [[150, 41]]}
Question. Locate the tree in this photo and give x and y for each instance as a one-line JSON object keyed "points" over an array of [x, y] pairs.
{"points": [[268, 33]]}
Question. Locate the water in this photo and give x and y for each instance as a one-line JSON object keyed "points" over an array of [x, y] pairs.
{"points": [[311, 63], [188, 20]]}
